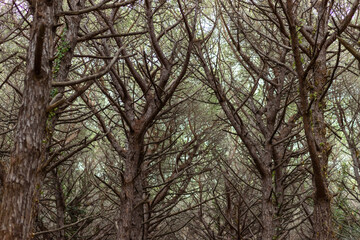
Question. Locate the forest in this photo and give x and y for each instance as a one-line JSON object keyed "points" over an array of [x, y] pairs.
{"points": [[179, 119]]}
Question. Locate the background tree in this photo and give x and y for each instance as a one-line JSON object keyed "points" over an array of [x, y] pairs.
{"points": [[260, 115]]}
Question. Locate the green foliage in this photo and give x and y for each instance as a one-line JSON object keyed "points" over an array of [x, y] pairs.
{"points": [[53, 92], [62, 49]]}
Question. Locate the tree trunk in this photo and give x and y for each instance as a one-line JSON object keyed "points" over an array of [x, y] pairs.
{"points": [[279, 189], [60, 206], [313, 87], [267, 208], [323, 219], [23, 180], [322, 196], [129, 225], [2, 178], [321, 151]]}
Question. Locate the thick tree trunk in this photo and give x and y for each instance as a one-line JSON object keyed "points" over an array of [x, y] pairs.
{"points": [[131, 212], [323, 219], [129, 225], [280, 164], [23, 180], [267, 209]]}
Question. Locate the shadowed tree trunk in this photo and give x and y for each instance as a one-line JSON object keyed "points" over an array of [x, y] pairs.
{"points": [[131, 212], [23, 179], [322, 200], [268, 208]]}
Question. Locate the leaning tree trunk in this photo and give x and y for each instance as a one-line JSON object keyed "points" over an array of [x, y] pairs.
{"points": [[319, 150], [23, 179], [316, 137], [320, 154], [313, 87]]}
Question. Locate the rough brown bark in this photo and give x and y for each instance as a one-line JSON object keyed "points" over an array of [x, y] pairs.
{"points": [[268, 209], [279, 190], [2, 178], [130, 220], [314, 121], [322, 198], [323, 227], [23, 180]]}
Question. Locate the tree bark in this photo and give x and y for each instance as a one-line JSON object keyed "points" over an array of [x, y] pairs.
{"points": [[323, 219], [23, 180], [314, 120], [322, 197], [129, 225], [268, 208], [60, 206]]}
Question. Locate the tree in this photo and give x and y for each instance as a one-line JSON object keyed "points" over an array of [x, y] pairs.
{"points": [[139, 90], [48, 60], [315, 87], [23, 179], [260, 116]]}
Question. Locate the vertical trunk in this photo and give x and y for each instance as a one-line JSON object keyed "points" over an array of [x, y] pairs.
{"points": [[267, 208], [279, 190], [2, 179], [319, 149], [147, 216], [129, 225], [60, 206], [322, 196], [354, 156], [229, 211], [322, 219], [23, 180]]}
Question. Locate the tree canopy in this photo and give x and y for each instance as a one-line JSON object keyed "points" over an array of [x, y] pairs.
{"points": [[179, 119]]}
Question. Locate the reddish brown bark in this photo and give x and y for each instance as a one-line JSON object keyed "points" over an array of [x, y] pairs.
{"points": [[23, 180]]}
